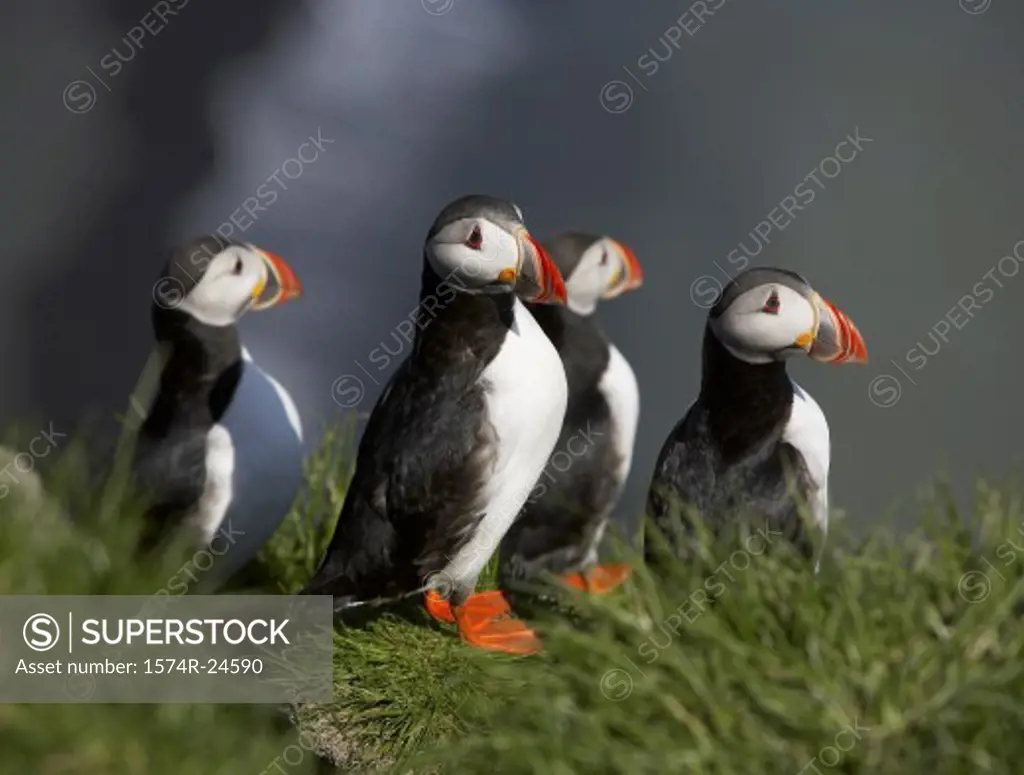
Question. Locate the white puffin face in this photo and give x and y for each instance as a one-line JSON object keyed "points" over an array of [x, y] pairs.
{"points": [[480, 244], [767, 323], [233, 281], [592, 276], [605, 270], [478, 253]]}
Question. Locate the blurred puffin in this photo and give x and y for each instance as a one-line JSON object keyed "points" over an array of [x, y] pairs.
{"points": [[562, 523], [220, 449], [754, 444], [461, 432]]}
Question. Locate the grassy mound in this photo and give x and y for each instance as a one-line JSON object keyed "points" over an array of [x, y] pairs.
{"points": [[902, 655]]}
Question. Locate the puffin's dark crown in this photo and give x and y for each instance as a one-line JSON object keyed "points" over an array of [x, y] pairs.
{"points": [[752, 278], [476, 206]]}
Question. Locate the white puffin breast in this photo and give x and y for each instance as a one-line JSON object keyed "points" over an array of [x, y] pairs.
{"points": [[807, 432], [620, 389], [265, 433]]}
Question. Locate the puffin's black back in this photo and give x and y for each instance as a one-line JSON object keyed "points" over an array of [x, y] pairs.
{"points": [[421, 461], [726, 459], [561, 508]]}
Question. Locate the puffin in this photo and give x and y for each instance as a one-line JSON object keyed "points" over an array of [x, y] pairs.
{"points": [[460, 433], [561, 525], [755, 445], [219, 452]]}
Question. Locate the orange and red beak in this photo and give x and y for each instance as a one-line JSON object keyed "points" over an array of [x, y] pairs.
{"points": [[629, 275], [836, 339], [539, 281], [278, 286]]}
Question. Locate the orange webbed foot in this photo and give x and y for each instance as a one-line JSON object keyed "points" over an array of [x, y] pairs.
{"points": [[439, 607], [486, 621], [600, 579]]}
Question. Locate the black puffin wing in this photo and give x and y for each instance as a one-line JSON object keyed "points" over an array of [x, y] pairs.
{"points": [[170, 473], [384, 438], [368, 486], [682, 483], [428, 448], [794, 504], [407, 491], [673, 483], [409, 448], [577, 484], [364, 544], [455, 494]]}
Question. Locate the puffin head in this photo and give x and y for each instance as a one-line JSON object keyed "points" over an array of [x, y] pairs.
{"points": [[482, 244], [216, 281], [767, 315], [594, 268]]}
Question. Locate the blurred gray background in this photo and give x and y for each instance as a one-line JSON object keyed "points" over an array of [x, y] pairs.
{"points": [[127, 129]]}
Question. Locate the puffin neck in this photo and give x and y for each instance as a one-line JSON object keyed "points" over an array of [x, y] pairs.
{"points": [[443, 300], [200, 373], [746, 403]]}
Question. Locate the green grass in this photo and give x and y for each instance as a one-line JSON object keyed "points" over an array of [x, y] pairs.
{"points": [[886, 662], [776, 674], [43, 553]]}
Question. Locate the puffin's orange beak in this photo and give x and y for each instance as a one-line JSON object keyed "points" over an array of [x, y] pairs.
{"points": [[629, 275], [540, 281], [278, 286], [837, 339]]}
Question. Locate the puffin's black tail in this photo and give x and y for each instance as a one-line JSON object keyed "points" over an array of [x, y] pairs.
{"points": [[361, 563], [319, 585], [330, 579]]}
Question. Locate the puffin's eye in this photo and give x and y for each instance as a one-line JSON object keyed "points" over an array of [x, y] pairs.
{"points": [[238, 266], [476, 239], [771, 306], [604, 258]]}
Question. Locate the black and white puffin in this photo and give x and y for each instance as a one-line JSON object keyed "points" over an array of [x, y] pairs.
{"points": [[460, 434], [754, 444], [220, 450], [563, 521]]}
